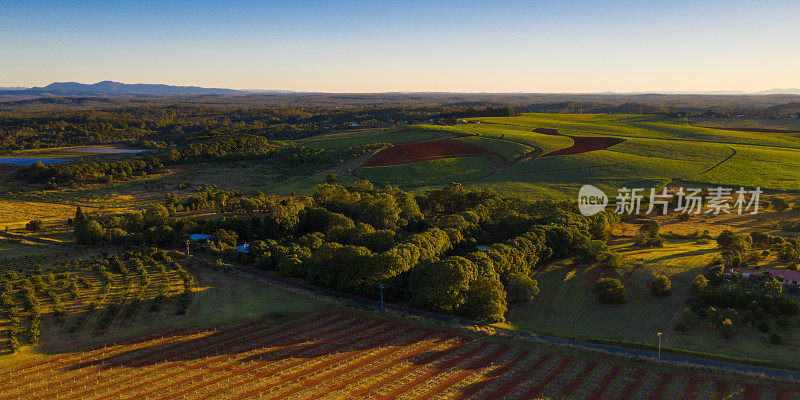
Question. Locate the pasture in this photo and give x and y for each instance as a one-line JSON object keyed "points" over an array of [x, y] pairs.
{"points": [[553, 154], [566, 306], [434, 172], [785, 125], [368, 136]]}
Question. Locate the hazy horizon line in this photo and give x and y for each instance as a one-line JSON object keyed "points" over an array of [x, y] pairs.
{"points": [[11, 87]]}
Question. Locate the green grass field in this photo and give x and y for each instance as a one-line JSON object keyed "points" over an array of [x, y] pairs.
{"points": [[369, 136], [566, 307], [788, 124], [657, 150], [433, 172]]}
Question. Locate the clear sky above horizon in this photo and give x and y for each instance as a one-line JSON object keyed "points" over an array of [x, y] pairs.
{"points": [[378, 46]]}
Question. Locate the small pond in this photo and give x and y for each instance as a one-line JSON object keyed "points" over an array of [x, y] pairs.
{"points": [[29, 161]]}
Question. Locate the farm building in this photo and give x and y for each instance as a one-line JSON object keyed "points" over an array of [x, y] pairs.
{"points": [[198, 237], [789, 278]]}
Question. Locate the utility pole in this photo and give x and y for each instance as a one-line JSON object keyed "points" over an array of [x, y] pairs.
{"points": [[381, 286], [659, 346]]}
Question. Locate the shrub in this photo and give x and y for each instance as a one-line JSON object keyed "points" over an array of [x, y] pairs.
{"points": [[725, 238], [661, 286], [726, 327], [610, 259], [763, 326], [650, 241], [651, 228], [11, 275], [89, 232], [35, 225], [782, 323], [775, 338], [780, 204], [609, 291], [520, 287], [789, 307], [699, 285]]}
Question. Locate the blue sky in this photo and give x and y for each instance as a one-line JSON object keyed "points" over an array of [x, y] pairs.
{"points": [[376, 46]]}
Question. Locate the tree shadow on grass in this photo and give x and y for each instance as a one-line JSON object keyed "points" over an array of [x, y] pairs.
{"points": [[691, 253]]}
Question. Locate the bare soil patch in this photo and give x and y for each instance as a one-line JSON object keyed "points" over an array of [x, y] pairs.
{"points": [[423, 151], [580, 144]]}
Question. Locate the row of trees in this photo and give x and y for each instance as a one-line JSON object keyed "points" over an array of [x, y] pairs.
{"points": [[421, 249], [450, 250]]}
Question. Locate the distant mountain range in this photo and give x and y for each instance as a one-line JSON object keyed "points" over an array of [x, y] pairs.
{"points": [[116, 88], [779, 91], [111, 88]]}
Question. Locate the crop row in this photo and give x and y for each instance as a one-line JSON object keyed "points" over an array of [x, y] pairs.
{"points": [[80, 373], [337, 356]]}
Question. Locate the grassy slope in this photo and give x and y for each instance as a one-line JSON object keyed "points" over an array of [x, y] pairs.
{"points": [[508, 150], [361, 137], [433, 172], [565, 306], [657, 149], [792, 124], [758, 166]]}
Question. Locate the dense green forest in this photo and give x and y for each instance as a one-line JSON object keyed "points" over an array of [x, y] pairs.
{"points": [[180, 124], [450, 250], [68, 121]]}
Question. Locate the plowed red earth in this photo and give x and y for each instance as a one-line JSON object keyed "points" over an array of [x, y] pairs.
{"points": [[334, 355], [580, 144], [423, 151]]}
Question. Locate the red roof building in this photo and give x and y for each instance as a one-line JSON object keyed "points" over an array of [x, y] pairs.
{"points": [[788, 277]]}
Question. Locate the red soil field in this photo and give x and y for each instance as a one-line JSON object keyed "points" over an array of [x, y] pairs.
{"points": [[585, 144], [547, 131], [580, 144], [336, 355], [422, 151]]}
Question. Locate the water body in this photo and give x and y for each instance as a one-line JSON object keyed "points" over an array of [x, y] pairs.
{"points": [[29, 161], [106, 150]]}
